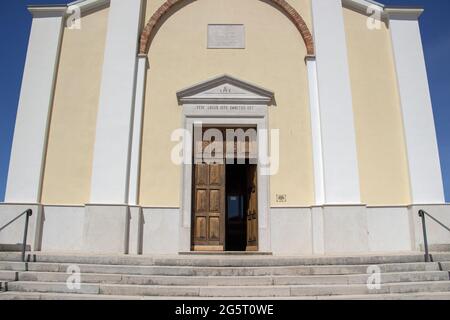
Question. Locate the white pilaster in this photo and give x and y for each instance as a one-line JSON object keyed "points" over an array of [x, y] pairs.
{"points": [[340, 164], [316, 130], [135, 161], [418, 122], [110, 170], [33, 113]]}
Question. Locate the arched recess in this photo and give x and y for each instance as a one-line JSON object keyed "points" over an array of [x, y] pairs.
{"points": [[285, 7]]}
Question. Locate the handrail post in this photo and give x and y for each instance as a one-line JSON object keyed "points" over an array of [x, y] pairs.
{"points": [[425, 239], [25, 233]]}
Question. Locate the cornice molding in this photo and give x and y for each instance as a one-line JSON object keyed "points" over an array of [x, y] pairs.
{"points": [[47, 11], [360, 5], [363, 5], [387, 12], [88, 5], [85, 6], [402, 13]]}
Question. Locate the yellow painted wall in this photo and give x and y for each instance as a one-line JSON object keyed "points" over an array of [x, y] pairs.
{"points": [[379, 129], [72, 131], [273, 59]]}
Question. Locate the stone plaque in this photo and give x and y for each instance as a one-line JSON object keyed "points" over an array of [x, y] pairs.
{"points": [[281, 198], [226, 36]]}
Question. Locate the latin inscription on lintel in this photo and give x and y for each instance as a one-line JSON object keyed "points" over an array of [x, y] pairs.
{"points": [[230, 108], [226, 36]]}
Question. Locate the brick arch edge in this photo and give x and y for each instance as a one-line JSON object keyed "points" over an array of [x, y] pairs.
{"points": [[285, 7]]}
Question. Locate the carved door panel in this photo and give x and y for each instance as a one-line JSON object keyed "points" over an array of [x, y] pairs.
{"points": [[209, 207], [252, 209]]}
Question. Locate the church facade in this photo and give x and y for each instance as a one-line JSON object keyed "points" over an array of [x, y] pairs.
{"points": [[291, 127]]}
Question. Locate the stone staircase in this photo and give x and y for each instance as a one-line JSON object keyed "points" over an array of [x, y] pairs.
{"points": [[403, 276]]}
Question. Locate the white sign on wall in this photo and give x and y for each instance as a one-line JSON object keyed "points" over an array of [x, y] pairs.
{"points": [[226, 36]]}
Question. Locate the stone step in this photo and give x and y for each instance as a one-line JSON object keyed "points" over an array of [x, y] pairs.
{"points": [[445, 266], [215, 260], [439, 247], [395, 296], [68, 296], [441, 256], [231, 280], [13, 247], [13, 266], [237, 291], [218, 271], [13, 295], [10, 256], [8, 275], [226, 253]]}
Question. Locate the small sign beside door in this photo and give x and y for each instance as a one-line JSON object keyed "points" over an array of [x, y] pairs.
{"points": [[282, 198]]}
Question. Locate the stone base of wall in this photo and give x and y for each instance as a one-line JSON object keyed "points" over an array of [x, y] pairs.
{"points": [[318, 230]]}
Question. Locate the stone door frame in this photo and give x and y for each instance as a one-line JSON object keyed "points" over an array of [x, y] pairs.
{"points": [[258, 120]]}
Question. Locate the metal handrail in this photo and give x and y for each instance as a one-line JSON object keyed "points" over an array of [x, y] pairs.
{"points": [[423, 214], [28, 213]]}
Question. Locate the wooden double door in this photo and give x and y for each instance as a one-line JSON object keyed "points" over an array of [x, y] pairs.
{"points": [[214, 206]]}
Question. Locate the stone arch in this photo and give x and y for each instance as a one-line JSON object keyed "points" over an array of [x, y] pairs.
{"points": [[285, 7]]}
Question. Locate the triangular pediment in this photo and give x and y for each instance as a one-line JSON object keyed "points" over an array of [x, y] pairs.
{"points": [[225, 89]]}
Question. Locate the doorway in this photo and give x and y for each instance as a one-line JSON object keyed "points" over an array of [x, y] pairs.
{"points": [[241, 200], [224, 206]]}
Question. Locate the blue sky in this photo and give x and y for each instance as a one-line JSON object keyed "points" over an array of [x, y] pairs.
{"points": [[15, 24]]}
